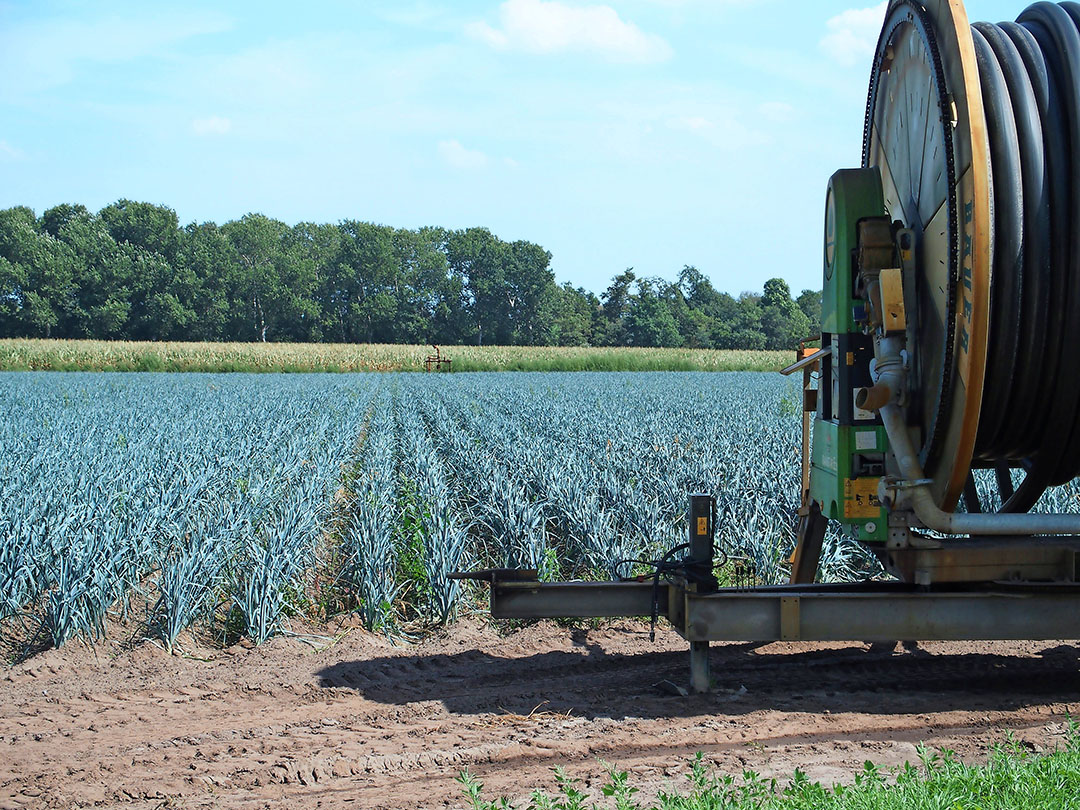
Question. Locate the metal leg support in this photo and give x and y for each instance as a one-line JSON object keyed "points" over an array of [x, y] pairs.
{"points": [[812, 528], [700, 680]]}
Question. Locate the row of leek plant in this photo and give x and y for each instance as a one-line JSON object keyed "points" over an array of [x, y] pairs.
{"points": [[532, 496], [612, 459], [204, 494], [173, 493], [511, 521], [436, 512], [368, 536]]}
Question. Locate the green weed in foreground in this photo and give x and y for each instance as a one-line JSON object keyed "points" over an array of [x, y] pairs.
{"points": [[1012, 778]]}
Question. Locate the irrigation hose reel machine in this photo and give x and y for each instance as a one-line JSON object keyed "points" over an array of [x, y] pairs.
{"points": [[951, 321], [951, 304]]}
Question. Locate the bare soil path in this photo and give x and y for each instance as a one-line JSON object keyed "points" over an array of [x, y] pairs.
{"points": [[366, 724]]}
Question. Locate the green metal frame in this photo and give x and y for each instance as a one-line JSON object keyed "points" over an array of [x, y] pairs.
{"points": [[853, 194], [840, 436]]}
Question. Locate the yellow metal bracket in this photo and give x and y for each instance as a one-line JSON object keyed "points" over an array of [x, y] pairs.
{"points": [[893, 316], [790, 623]]}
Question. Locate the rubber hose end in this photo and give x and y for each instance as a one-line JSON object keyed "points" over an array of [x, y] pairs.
{"points": [[874, 398]]}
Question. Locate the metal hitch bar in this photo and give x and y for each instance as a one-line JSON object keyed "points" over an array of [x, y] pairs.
{"points": [[868, 612]]}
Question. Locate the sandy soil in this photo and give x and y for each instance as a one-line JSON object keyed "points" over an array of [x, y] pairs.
{"points": [[368, 724]]}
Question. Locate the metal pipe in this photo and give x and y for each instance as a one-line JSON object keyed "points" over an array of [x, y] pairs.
{"points": [[921, 500], [889, 376], [877, 396]]}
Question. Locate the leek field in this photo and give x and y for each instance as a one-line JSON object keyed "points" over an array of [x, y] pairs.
{"points": [[228, 505]]}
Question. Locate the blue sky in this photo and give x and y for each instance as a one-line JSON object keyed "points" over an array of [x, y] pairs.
{"points": [[616, 133]]}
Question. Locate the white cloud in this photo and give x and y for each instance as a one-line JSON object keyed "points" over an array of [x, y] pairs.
{"points": [[725, 132], [691, 123], [459, 157], [214, 125], [550, 26], [707, 3], [853, 34], [776, 112], [9, 152], [420, 13], [51, 52]]}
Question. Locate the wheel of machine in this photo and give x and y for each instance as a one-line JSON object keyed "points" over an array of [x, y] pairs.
{"points": [[974, 131], [926, 133], [951, 300]]}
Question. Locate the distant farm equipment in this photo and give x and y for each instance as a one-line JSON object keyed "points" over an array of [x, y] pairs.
{"points": [[436, 362]]}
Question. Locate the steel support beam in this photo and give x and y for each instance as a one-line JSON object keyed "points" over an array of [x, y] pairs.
{"points": [[857, 612], [870, 612], [586, 600], [700, 676], [822, 616]]}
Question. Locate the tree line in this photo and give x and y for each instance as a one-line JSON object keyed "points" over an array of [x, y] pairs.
{"points": [[132, 272]]}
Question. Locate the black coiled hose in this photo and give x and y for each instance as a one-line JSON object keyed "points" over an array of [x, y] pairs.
{"points": [[1030, 76]]}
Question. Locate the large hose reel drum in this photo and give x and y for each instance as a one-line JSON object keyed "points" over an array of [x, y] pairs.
{"points": [[975, 130], [951, 304]]}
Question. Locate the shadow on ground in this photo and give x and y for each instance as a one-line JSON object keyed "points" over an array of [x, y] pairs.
{"points": [[590, 682]]}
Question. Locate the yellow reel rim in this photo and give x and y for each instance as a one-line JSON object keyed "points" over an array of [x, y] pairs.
{"points": [[950, 431]]}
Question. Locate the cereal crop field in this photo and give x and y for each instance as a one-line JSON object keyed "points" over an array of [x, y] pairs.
{"points": [[32, 354]]}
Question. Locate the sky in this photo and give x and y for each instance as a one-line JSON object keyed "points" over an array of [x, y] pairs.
{"points": [[616, 133]]}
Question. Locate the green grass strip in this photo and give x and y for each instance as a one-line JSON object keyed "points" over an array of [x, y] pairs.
{"points": [[1012, 778]]}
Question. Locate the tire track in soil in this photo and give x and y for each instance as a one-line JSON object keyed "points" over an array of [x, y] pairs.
{"points": [[366, 724]]}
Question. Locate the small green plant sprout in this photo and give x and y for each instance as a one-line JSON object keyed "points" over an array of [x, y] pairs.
{"points": [[618, 788]]}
